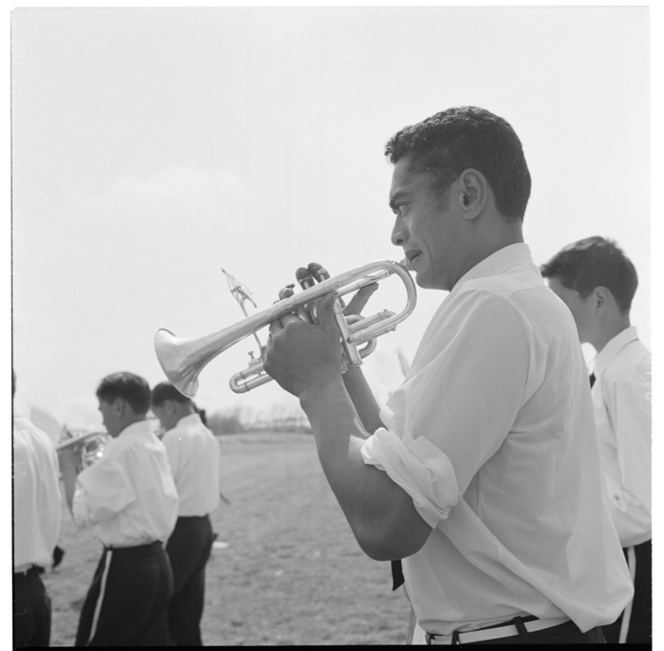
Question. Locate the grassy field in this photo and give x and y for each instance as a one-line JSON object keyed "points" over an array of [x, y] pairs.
{"points": [[292, 572]]}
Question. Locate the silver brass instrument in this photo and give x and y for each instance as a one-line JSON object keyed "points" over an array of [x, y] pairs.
{"points": [[92, 445], [182, 360]]}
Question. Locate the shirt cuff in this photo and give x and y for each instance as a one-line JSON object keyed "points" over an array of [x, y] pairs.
{"points": [[420, 468]]}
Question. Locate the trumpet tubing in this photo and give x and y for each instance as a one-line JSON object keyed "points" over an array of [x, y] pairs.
{"points": [[182, 360]]}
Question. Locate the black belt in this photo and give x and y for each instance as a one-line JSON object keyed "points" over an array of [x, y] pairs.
{"points": [[519, 626], [146, 546]]}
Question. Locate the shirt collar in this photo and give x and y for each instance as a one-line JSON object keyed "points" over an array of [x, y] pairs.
{"points": [[614, 346], [139, 427], [493, 265], [189, 419]]}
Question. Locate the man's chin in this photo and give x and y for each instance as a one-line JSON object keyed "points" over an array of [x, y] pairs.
{"points": [[423, 280], [426, 282]]}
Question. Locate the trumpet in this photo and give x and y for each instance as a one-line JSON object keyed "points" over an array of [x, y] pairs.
{"points": [[182, 360]]}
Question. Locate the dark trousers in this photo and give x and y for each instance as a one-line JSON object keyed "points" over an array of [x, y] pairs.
{"points": [[188, 549], [127, 601], [31, 609], [640, 621]]}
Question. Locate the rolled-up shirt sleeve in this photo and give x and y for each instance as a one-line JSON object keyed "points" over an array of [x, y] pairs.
{"points": [[421, 469], [467, 384], [102, 491]]}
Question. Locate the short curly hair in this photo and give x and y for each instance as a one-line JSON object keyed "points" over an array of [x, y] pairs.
{"points": [[128, 386], [462, 138], [595, 262]]}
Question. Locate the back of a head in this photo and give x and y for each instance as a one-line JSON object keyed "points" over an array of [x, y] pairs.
{"points": [[166, 391], [128, 386], [468, 137], [595, 262]]}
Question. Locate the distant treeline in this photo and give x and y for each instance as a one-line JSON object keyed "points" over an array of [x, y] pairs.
{"points": [[223, 423]]}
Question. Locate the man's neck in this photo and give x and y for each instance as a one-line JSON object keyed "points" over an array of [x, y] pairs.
{"points": [[494, 236], [131, 421], [609, 331], [183, 412], [496, 233]]}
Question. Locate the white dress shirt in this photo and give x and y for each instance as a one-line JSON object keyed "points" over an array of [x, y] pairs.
{"points": [[492, 434], [128, 496], [623, 412], [195, 455], [36, 496]]}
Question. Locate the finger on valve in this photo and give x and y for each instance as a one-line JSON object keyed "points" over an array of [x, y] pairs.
{"points": [[304, 278]]}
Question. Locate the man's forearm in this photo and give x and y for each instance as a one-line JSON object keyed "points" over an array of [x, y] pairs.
{"points": [[363, 398], [380, 513], [69, 480]]}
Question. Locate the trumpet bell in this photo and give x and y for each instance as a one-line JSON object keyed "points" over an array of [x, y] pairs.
{"points": [[176, 364], [182, 360]]}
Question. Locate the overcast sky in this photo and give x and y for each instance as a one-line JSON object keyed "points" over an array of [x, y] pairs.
{"points": [[151, 147]]}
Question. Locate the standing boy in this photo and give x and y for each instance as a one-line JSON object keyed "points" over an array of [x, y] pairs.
{"points": [[130, 500], [597, 282], [194, 456]]}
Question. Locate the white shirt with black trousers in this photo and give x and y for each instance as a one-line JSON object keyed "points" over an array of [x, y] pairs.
{"points": [[129, 499], [194, 455], [492, 434], [622, 397], [37, 515]]}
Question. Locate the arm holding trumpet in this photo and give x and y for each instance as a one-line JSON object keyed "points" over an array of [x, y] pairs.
{"points": [[73, 458], [343, 413], [356, 384], [69, 457]]}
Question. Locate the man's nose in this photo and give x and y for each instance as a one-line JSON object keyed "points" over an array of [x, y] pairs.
{"points": [[399, 234]]}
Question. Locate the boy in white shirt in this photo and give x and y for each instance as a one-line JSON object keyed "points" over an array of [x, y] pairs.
{"points": [[130, 500], [194, 455], [597, 281], [36, 527]]}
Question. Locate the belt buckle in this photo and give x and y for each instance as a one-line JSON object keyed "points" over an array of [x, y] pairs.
{"points": [[431, 638]]}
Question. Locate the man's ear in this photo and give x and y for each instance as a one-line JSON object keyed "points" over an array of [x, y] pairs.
{"points": [[474, 192], [120, 407], [602, 297]]}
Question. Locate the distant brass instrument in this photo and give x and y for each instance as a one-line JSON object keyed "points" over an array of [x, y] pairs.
{"points": [[182, 360], [92, 446]]}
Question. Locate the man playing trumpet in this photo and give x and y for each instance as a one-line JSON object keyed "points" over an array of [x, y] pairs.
{"points": [[482, 472], [130, 500]]}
